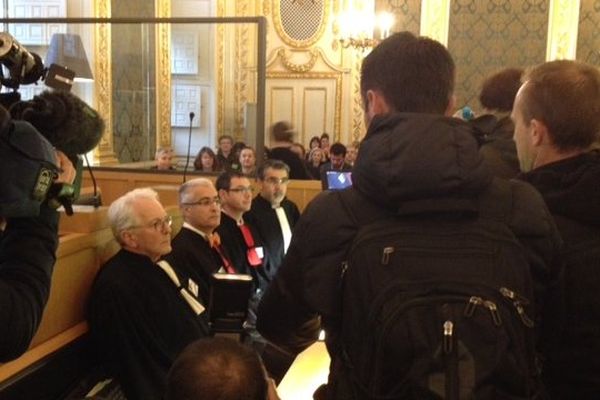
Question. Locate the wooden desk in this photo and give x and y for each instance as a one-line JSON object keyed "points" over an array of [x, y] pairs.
{"points": [[309, 371]]}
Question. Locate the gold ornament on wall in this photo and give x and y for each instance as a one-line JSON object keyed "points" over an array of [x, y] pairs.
{"points": [[300, 24]]}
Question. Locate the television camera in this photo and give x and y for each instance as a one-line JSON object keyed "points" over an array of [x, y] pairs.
{"points": [[30, 130]]}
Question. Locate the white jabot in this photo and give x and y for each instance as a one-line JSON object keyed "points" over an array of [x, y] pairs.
{"points": [[285, 227]]}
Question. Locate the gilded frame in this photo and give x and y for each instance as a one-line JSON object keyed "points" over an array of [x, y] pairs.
{"points": [[277, 23]]}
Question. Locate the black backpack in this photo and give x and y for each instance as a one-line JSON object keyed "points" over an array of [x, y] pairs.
{"points": [[438, 305]]}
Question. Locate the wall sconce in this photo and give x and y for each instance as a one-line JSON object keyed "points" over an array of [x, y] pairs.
{"points": [[356, 29], [67, 50]]}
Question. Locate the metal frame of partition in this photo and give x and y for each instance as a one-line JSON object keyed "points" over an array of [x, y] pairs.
{"points": [[261, 51]]}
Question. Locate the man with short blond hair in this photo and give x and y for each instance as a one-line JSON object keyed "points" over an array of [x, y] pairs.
{"points": [[557, 119], [139, 317]]}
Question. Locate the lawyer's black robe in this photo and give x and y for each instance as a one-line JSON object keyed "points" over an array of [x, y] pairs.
{"points": [[264, 219], [140, 323], [193, 255]]}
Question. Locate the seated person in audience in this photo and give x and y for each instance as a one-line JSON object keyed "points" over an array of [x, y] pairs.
{"points": [[140, 318], [316, 159], [497, 96], [557, 118], [196, 249], [206, 161], [337, 162], [225, 154], [235, 151], [314, 143], [282, 137], [219, 368], [247, 162], [325, 144], [164, 159], [352, 152], [272, 214]]}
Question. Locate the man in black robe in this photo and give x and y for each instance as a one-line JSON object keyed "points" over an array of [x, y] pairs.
{"points": [[140, 317], [193, 247], [272, 214]]}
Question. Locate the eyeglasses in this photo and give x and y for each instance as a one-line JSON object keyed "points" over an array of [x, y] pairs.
{"points": [[205, 202], [159, 224], [276, 181], [247, 189]]}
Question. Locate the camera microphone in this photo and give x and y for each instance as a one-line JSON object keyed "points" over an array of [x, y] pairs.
{"points": [[69, 124], [187, 160]]}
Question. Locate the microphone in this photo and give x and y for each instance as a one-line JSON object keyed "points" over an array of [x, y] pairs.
{"points": [[64, 119], [187, 160], [69, 124]]}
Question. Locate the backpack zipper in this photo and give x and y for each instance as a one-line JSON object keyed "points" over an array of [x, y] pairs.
{"points": [[451, 359]]}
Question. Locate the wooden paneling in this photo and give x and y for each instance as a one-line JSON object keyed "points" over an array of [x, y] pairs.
{"points": [[114, 182]]}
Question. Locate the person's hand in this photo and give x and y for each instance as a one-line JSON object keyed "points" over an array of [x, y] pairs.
{"points": [[65, 168]]}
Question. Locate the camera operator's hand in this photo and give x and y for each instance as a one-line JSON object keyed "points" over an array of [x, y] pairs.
{"points": [[67, 171]]}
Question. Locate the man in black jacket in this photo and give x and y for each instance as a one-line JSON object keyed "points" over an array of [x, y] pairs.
{"points": [[412, 156], [557, 120]]}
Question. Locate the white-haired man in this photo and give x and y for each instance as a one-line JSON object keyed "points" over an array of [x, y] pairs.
{"points": [[140, 318]]}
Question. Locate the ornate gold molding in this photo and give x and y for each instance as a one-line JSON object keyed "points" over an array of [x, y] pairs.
{"points": [[105, 153], [220, 44], [299, 68], [163, 76], [241, 70], [320, 75], [276, 11], [358, 119], [435, 19], [563, 24], [314, 55]]}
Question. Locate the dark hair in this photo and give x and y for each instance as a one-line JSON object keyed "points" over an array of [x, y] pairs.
{"points": [[338, 149], [273, 164], [217, 368], [224, 179], [282, 131], [565, 96], [414, 74], [314, 139], [237, 147], [198, 159], [499, 90], [228, 137], [325, 135]]}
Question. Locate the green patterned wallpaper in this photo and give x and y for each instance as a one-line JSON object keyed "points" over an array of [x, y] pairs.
{"points": [[407, 14], [588, 39], [485, 36], [133, 77]]}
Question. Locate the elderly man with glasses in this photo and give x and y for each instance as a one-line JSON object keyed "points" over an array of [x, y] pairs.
{"points": [[140, 315]]}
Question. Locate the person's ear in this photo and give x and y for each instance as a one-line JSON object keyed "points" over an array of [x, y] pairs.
{"points": [[539, 133], [129, 239], [451, 106], [376, 103]]}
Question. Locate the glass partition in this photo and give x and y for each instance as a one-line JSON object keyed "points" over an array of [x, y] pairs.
{"points": [[158, 82]]}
